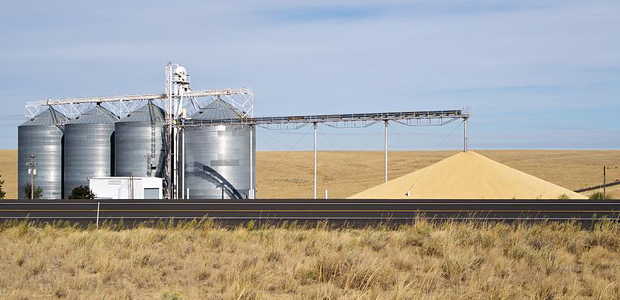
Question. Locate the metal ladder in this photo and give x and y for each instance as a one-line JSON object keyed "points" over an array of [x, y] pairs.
{"points": [[56, 120], [153, 139]]}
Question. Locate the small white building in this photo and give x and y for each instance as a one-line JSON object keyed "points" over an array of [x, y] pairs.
{"points": [[127, 187]]}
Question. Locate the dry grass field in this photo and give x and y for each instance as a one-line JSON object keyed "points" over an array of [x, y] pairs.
{"points": [[282, 174], [420, 261], [289, 174], [8, 171]]}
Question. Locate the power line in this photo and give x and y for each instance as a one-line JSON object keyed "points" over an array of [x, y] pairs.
{"points": [[287, 153], [438, 146]]}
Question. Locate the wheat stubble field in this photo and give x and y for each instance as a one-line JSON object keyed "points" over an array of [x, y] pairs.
{"points": [[290, 174]]}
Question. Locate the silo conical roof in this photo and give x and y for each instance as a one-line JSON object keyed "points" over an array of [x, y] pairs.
{"points": [[48, 117], [467, 175], [97, 115], [217, 110], [147, 113]]}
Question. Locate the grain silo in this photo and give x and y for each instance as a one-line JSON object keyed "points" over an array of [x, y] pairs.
{"points": [[217, 158], [139, 143], [89, 143], [42, 137]]}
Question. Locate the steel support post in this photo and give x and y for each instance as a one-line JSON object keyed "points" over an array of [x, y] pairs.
{"points": [[314, 127], [386, 150], [169, 174], [251, 189], [465, 135], [176, 163], [182, 160]]}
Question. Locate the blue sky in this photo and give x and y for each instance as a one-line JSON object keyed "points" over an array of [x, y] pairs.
{"points": [[536, 74]]}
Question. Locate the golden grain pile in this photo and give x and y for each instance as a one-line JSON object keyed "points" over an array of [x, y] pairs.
{"points": [[467, 175], [421, 261], [290, 174]]}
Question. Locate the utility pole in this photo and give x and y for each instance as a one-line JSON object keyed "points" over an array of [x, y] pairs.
{"points": [[604, 181], [605, 168], [32, 170]]}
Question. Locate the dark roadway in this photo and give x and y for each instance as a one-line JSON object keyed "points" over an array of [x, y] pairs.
{"points": [[358, 212]]}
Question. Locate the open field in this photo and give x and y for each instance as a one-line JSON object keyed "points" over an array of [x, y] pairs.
{"points": [[419, 261], [8, 171], [289, 174], [282, 174]]}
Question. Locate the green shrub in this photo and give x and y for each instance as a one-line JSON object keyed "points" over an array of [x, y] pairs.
{"points": [[82, 192], [38, 191], [2, 193], [600, 196], [167, 295]]}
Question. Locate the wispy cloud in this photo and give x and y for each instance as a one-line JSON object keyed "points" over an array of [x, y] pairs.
{"points": [[571, 129], [329, 13]]}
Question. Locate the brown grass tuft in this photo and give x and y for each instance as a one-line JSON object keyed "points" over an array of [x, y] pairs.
{"points": [[202, 261]]}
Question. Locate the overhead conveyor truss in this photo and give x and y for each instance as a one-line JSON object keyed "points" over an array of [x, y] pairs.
{"points": [[441, 115]]}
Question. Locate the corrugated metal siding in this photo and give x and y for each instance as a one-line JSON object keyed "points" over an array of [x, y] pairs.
{"points": [[133, 143], [216, 153], [88, 148], [42, 138]]}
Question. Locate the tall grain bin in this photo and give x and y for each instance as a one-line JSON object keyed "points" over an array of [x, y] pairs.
{"points": [[139, 143], [42, 137], [217, 158], [88, 147]]}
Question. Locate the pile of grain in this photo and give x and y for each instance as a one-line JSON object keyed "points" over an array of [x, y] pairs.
{"points": [[467, 175]]}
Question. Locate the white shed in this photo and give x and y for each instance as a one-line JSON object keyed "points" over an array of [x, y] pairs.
{"points": [[127, 187]]}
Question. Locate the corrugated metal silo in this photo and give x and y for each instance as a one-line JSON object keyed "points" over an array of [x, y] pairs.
{"points": [[42, 137], [139, 143], [88, 147], [217, 158]]}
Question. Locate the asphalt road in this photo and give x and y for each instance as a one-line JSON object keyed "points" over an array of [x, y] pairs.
{"points": [[353, 212]]}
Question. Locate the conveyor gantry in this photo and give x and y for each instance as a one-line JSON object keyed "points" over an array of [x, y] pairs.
{"points": [[336, 118]]}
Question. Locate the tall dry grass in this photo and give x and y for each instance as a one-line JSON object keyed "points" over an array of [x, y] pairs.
{"points": [[421, 261]]}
